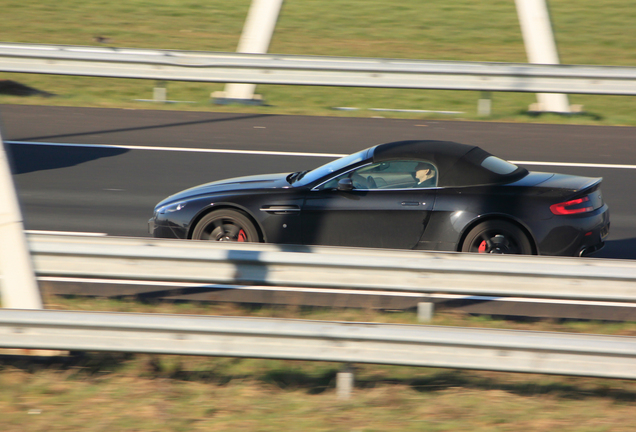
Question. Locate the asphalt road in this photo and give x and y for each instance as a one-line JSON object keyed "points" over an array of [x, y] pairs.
{"points": [[113, 190]]}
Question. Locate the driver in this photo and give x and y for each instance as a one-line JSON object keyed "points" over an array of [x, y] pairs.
{"points": [[425, 175]]}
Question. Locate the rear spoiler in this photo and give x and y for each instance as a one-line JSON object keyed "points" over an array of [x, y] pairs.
{"points": [[576, 184], [591, 185]]}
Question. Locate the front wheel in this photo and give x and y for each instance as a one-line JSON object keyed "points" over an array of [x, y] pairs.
{"points": [[225, 225], [497, 237]]}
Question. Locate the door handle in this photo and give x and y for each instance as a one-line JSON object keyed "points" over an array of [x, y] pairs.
{"points": [[411, 203]]}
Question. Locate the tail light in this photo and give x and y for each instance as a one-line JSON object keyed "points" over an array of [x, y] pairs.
{"points": [[576, 206]]}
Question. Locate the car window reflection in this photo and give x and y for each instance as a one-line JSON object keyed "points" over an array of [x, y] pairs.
{"points": [[331, 167], [389, 175]]}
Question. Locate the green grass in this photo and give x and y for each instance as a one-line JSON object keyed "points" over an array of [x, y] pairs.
{"points": [[587, 32]]}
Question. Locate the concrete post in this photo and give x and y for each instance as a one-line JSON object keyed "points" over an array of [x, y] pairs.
{"points": [[538, 38], [484, 105], [160, 92], [425, 311], [257, 34], [18, 287]]}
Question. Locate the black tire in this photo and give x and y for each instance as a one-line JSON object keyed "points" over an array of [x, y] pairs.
{"points": [[225, 225], [498, 237]]}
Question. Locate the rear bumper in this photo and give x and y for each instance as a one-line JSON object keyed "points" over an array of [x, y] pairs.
{"points": [[576, 235], [594, 240]]}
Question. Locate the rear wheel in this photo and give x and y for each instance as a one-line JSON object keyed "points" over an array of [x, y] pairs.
{"points": [[225, 225], [497, 237]]}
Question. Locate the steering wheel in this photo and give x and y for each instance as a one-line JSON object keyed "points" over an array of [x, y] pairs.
{"points": [[371, 183]]}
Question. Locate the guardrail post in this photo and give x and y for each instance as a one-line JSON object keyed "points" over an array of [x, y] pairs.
{"points": [[425, 311], [484, 105], [160, 92], [344, 383]]}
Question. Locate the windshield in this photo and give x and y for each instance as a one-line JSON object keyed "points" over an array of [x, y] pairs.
{"points": [[331, 167]]}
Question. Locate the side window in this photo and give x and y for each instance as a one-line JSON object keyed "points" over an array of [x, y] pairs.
{"points": [[402, 174], [389, 175], [333, 183], [358, 178]]}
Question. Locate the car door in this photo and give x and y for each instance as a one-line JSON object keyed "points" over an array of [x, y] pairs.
{"points": [[384, 209]]}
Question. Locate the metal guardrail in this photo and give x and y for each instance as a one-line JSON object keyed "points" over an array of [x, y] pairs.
{"points": [[411, 345], [315, 70], [331, 267]]}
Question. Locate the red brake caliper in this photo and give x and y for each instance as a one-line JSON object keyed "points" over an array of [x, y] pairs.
{"points": [[241, 236], [482, 246]]}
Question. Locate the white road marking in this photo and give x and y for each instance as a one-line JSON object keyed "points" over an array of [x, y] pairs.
{"points": [[279, 153], [180, 149], [575, 164], [67, 233]]}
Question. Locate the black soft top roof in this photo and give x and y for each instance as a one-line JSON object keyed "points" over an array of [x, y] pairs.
{"points": [[457, 164]]}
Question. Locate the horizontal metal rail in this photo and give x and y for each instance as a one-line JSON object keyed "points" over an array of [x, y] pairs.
{"points": [[331, 267], [315, 70], [409, 345]]}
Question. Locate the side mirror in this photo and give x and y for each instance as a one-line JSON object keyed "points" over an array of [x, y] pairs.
{"points": [[345, 184]]}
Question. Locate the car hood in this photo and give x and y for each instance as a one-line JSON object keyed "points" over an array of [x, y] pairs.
{"points": [[264, 181]]}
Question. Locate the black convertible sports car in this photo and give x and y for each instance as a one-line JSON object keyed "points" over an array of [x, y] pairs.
{"points": [[432, 195]]}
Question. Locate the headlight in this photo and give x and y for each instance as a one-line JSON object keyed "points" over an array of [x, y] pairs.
{"points": [[169, 208]]}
